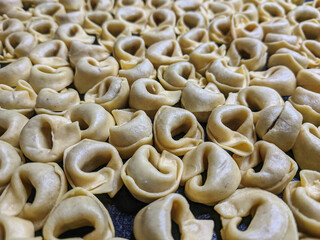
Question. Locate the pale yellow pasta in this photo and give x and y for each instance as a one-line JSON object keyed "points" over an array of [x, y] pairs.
{"points": [[227, 78], [161, 17], [90, 72], [306, 149], [165, 53], [81, 160], [48, 9], [72, 5], [248, 51], [42, 28], [94, 121], [223, 175], [250, 11], [275, 41], [124, 3], [129, 51], [192, 39], [79, 208], [99, 5], [49, 183], [176, 75], [302, 198], [257, 98], [312, 49], [201, 100], [294, 60], [289, 5], [159, 4], [232, 128], [143, 69], [214, 9], [302, 13], [93, 21], [149, 175], [268, 10], [111, 93], [11, 124], [309, 79], [279, 78], [176, 130], [19, 13], [308, 30], [111, 31], [45, 137], [133, 129], [69, 32], [15, 228], [8, 26], [158, 215], [9, 162], [53, 53], [76, 17], [157, 34], [79, 50], [134, 17], [182, 6], [49, 101], [18, 70], [190, 20], [17, 45], [6, 5], [148, 95], [205, 54], [271, 217], [219, 30], [22, 98], [44, 76], [276, 172], [236, 4], [306, 102], [241, 26]]}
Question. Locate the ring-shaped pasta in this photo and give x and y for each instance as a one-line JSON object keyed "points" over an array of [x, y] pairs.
{"points": [[90, 72], [48, 9], [133, 129], [279, 78], [276, 172], [134, 17], [81, 160], [37, 176], [302, 13], [44, 76], [189, 20], [275, 41], [268, 10], [157, 34], [309, 79], [201, 100], [276, 25], [257, 98], [6, 5], [221, 171], [181, 6], [13, 72], [22, 98], [19, 13], [302, 198], [242, 27], [227, 78], [75, 17], [219, 30], [149, 175], [192, 39], [277, 123], [214, 9], [111, 93], [165, 52], [271, 217], [148, 95], [53, 53], [72, 5], [99, 5], [306, 149], [176, 130], [94, 121], [129, 51], [11, 124], [42, 28], [312, 49], [79, 208], [93, 21], [232, 128], [8, 26], [159, 4], [308, 30], [158, 214], [162, 17], [50, 135], [49, 101], [250, 11]]}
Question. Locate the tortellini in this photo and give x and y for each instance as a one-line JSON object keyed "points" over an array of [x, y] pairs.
{"points": [[9, 26], [134, 17], [303, 199], [42, 29], [45, 137], [149, 175], [223, 175], [176, 130], [157, 34], [133, 129], [192, 39], [231, 127], [159, 214], [276, 172], [79, 208], [49, 183], [271, 217], [81, 160]]}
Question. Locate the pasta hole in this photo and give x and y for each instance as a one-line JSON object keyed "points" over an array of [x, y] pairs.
{"points": [[51, 10], [82, 124], [158, 18], [45, 69], [253, 104], [204, 176], [14, 42], [93, 4], [168, 51], [273, 11], [175, 232], [32, 195], [132, 48], [76, 232], [250, 27], [128, 2], [244, 54], [2, 130], [190, 21], [152, 89], [133, 17], [197, 37], [245, 222], [116, 29], [233, 122], [224, 29], [92, 62], [180, 131], [95, 164], [5, 25], [157, 3], [301, 17], [52, 52], [43, 28], [258, 167], [73, 31], [46, 136]]}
